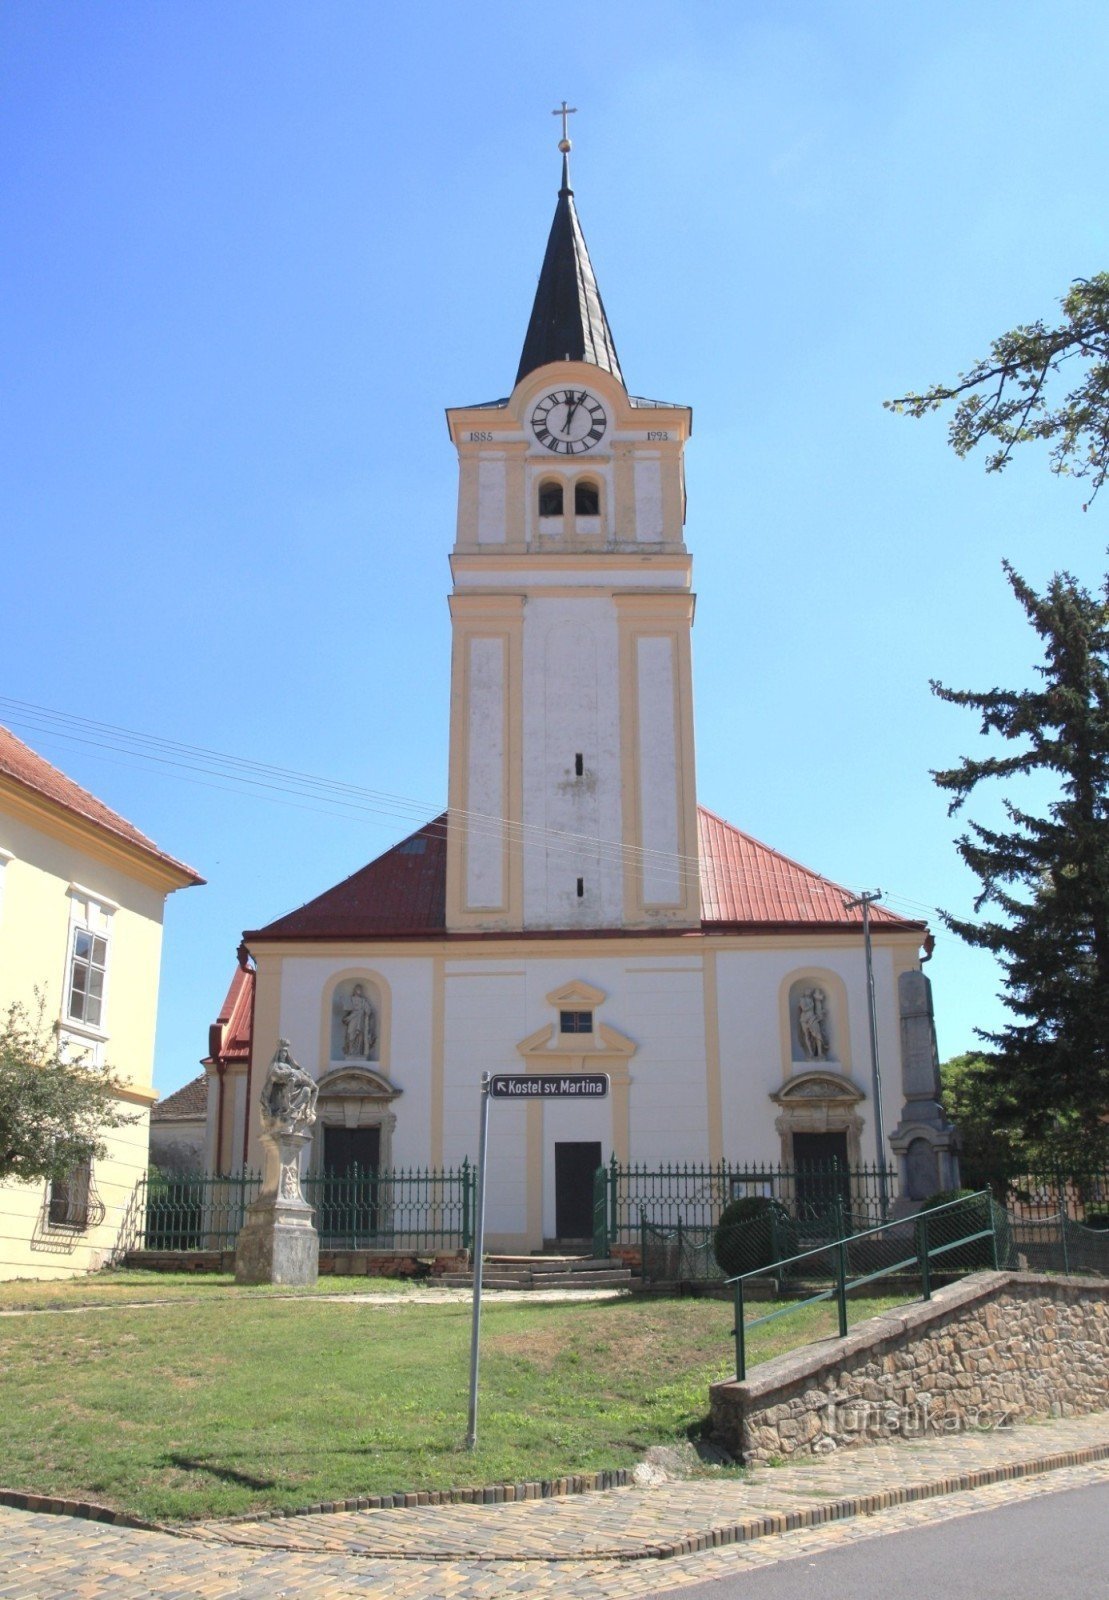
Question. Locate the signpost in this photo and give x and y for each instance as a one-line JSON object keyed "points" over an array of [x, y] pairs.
{"points": [[513, 1086]]}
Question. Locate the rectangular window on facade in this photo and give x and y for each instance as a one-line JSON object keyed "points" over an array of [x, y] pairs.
{"points": [[87, 967], [69, 1197], [575, 1022]]}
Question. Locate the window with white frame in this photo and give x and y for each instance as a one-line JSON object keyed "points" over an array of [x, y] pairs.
{"points": [[89, 946]]}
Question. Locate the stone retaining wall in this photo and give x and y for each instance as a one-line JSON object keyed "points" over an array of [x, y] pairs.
{"points": [[984, 1353]]}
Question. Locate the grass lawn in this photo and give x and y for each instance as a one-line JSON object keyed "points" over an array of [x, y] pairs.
{"points": [[125, 1286], [243, 1401]]}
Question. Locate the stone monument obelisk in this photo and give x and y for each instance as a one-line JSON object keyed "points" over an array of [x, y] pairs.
{"points": [[278, 1242]]}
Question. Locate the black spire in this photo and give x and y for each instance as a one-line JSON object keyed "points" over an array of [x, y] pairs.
{"points": [[568, 321]]}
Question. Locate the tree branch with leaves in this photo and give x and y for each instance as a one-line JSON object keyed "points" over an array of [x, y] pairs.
{"points": [[53, 1111], [1047, 876], [1011, 396]]}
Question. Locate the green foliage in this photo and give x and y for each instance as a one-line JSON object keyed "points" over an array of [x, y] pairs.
{"points": [[1047, 876], [53, 1111], [753, 1232], [1007, 396], [244, 1399], [991, 1142]]}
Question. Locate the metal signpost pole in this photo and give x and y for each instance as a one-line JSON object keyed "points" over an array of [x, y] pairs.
{"points": [[866, 901], [479, 1247]]}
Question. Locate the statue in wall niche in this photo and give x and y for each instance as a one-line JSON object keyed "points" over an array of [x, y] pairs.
{"points": [[812, 1028], [288, 1099], [359, 1025]]}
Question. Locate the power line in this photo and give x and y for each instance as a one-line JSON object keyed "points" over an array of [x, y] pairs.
{"points": [[290, 786]]}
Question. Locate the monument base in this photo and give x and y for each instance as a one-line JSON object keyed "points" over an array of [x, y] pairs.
{"points": [[278, 1242], [275, 1247]]}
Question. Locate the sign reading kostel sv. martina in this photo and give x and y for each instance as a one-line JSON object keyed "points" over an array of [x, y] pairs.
{"points": [[564, 1085]]}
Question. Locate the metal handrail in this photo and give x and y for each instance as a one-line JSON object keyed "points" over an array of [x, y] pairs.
{"points": [[843, 1285]]}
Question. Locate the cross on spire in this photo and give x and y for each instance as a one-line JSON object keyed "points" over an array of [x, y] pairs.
{"points": [[564, 111]]}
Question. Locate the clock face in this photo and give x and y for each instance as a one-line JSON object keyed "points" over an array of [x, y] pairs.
{"points": [[569, 421]]}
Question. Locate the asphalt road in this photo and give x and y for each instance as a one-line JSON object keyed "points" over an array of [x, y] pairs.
{"points": [[1057, 1544]]}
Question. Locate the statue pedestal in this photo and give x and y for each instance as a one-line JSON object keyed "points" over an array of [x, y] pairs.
{"points": [[278, 1242]]}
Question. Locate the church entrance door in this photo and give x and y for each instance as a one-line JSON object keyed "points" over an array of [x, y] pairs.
{"points": [[344, 1148], [346, 1211], [822, 1173], [575, 1164]]}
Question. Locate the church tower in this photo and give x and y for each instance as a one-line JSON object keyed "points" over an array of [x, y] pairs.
{"points": [[572, 788]]}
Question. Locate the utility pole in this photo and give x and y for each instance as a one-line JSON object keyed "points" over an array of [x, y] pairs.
{"points": [[866, 901]]}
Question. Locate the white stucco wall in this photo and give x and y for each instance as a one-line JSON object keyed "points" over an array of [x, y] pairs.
{"points": [[571, 705], [491, 501], [485, 775], [658, 772]]}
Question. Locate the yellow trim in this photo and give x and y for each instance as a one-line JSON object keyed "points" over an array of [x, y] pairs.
{"points": [[91, 838], [138, 1097], [577, 993], [268, 984], [692, 943], [658, 554], [714, 1094]]}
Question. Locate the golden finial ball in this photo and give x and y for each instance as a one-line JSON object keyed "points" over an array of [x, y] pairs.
{"points": [[565, 146]]}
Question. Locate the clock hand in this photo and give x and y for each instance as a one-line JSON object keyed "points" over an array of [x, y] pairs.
{"points": [[571, 407]]}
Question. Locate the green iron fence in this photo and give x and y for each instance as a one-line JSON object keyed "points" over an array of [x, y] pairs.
{"points": [[694, 1195], [422, 1208], [972, 1233], [415, 1209], [194, 1212]]}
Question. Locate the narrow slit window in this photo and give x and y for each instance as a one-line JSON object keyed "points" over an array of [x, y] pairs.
{"points": [[587, 500], [581, 888], [579, 765], [550, 499]]}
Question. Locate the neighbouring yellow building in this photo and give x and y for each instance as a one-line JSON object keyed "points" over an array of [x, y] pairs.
{"points": [[82, 895]]}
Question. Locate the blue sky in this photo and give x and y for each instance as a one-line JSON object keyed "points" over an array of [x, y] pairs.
{"points": [[254, 249]]}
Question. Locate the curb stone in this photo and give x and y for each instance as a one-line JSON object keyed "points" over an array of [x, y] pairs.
{"points": [[412, 1499], [744, 1532]]}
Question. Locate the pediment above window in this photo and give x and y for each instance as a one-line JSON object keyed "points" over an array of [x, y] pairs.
{"points": [[574, 995], [825, 1086], [360, 1083]]}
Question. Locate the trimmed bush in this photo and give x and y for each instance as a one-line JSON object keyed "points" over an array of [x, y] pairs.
{"points": [[753, 1232]]}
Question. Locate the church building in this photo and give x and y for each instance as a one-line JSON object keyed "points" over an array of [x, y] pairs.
{"points": [[574, 909]]}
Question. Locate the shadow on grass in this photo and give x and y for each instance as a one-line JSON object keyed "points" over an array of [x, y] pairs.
{"points": [[244, 1480]]}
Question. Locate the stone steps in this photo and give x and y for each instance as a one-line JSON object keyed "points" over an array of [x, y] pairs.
{"points": [[544, 1272]]}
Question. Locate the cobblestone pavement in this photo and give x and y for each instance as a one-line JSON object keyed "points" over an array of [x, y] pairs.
{"points": [[603, 1545]]}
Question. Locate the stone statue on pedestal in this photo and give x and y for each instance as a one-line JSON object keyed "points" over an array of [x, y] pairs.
{"points": [[278, 1242]]}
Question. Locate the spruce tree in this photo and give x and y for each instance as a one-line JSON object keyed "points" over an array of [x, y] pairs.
{"points": [[1046, 877]]}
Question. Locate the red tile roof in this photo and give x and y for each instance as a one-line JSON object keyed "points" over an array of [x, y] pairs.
{"points": [[401, 894], [747, 884], [23, 766], [745, 887], [189, 1101], [229, 1035]]}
